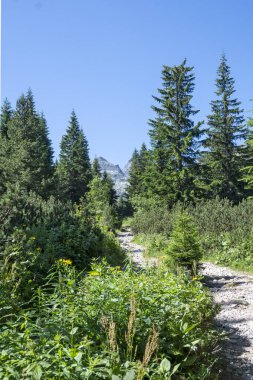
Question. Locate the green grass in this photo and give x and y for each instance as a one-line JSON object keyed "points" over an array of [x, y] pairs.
{"points": [[126, 222], [155, 244]]}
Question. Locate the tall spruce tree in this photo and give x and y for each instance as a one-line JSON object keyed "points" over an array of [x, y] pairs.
{"points": [[96, 169], [134, 176], [143, 157], [28, 154], [109, 184], [137, 179], [73, 168], [174, 136], [226, 131], [6, 116], [46, 154], [247, 170], [100, 201]]}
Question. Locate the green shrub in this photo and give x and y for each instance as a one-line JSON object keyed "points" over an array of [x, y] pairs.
{"points": [[152, 217], [110, 323], [223, 251], [36, 233], [215, 217]]}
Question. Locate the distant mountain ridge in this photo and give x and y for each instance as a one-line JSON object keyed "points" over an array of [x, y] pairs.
{"points": [[118, 175]]}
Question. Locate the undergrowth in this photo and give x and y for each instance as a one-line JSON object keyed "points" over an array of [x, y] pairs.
{"points": [[111, 324]]}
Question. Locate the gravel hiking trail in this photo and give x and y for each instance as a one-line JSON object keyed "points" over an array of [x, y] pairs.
{"points": [[135, 251], [233, 292]]}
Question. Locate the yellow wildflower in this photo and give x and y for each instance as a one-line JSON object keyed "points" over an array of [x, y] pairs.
{"points": [[94, 273], [194, 278], [65, 261]]}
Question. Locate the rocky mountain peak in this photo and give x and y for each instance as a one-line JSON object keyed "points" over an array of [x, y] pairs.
{"points": [[118, 175]]}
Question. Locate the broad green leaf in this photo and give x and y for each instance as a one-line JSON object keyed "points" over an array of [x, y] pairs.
{"points": [[74, 330], [130, 375], [115, 377], [175, 368], [37, 373], [78, 357], [165, 366]]}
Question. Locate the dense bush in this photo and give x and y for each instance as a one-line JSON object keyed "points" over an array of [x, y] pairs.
{"points": [[225, 229], [217, 216], [36, 233], [111, 324], [151, 217]]}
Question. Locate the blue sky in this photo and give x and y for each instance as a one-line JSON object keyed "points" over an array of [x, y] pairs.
{"points": [[104, 59]]}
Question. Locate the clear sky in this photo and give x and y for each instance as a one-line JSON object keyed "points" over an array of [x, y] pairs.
{"points": [[104, 59]]}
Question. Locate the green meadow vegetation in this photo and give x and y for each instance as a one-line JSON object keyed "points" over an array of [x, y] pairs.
{"points": [[72, 306], [111, 324]]}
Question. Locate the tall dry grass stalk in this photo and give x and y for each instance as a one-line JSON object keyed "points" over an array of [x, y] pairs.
{"points": [[104, 322], [110, 329], [150, 349], [112, 336], [129, 336]]}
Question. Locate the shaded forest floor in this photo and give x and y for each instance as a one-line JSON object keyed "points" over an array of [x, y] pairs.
{"points": [[233, 292]]}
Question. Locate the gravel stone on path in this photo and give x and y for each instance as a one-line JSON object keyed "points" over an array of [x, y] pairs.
{"points": [[135, 251], [233, 292]]}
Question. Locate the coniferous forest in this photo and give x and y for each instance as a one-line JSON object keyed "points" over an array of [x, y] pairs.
{"points": [[72, 303]]}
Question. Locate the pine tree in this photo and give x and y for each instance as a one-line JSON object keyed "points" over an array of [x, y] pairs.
{"points": [[109, 185], [73, 169], [247, 170], [134, 176], [100, 201], [184, 246], [143, 157], [226, 129], [46, 168], [138, 178], [6, 116], [96, 169], [174, 137], [29, 155]]}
